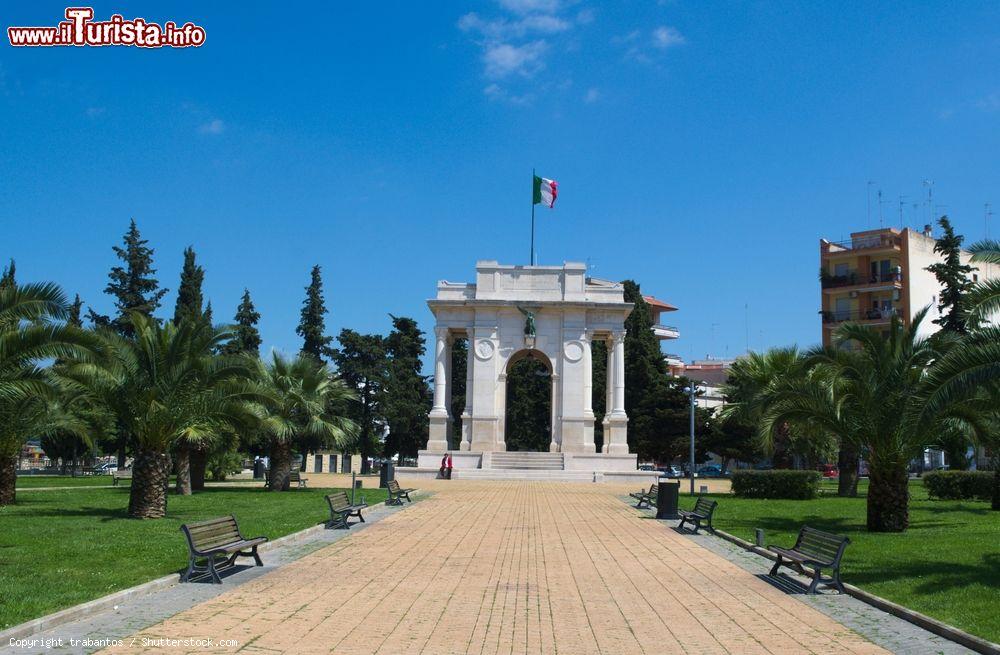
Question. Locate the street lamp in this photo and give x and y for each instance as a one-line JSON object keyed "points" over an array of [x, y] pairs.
{"points": [[691, 391]]}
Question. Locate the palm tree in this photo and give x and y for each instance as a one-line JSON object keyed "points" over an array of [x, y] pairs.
{"points": [[302, 402], [983, 300], [29, 334], [166, 388], [746, 389], [874, 397]]}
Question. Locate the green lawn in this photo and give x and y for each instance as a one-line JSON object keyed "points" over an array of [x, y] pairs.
{"points": [[947, 565], [60, 548], [33, 481]]}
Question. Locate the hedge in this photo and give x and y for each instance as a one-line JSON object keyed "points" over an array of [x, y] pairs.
{"points": [[959, 485], [794, 485]]}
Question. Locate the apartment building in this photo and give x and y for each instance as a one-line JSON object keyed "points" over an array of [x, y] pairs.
{"points": [[878, 274]]}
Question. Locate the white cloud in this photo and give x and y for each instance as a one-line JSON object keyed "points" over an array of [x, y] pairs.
{"points": [[502, 29], [504, 59], [666, 37], [498, 93], [592, 96], [214, 126], [529, 6]]}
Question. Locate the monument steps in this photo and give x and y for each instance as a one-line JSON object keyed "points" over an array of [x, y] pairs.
{"points": [[523, 474], [514, 460]]}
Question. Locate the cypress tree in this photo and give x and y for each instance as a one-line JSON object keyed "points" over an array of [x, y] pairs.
{"points": [[312, 326], [75, 319], [459, 362], [189, 296], [407, 395], [953, 276], [247, 338], [132, 285], [361, 363], [207, 314], [8, 277]]}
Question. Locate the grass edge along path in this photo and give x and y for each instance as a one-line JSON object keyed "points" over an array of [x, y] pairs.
{"points": [[64, 547], [946, 565]]}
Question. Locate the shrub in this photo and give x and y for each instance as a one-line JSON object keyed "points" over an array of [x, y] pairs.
{"points": [[221, 464], [794, 485], [959, 485]]}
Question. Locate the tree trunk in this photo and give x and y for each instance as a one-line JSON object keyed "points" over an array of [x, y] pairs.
{"points": [[8, 479], [121, 452], [888, 500], [281, 465], [994, 505], [847, 471], [183, 486], [199, 460], [150, 477]]}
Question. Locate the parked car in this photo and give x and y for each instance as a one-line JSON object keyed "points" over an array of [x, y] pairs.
{"points": [[828, 470], [106, 469], [670, 471], [710, 471], [646, 467]]}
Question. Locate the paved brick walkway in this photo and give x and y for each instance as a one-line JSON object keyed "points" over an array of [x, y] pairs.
{"points": [[510, 568]]}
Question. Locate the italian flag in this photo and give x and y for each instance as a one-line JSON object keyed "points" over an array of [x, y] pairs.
{"points": [[545, 192]]}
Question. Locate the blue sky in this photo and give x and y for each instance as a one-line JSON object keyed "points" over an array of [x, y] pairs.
{"points": [[702, 148]]}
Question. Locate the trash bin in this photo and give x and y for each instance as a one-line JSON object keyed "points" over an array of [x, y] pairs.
{"points": [[387, 473], [258, 469], [666, 500], [357, 484]]}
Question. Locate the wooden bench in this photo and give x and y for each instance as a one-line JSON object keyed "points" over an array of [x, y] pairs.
{"points": [[703, 510], [817, 550], [645, 498], [341, 510], [209, 539], [294, 477], [396, 495], [121, 474]]}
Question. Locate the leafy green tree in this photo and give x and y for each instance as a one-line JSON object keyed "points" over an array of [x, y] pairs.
{"points": [[312, 325], [189, 294], [406, 397], [31, 332], [953, 276], [361, 364], [731, 439], [599, 385], [246, 340], [459, 362], [665, 419], [165, 386], [297, 395], [132, 285], [528, 422]]}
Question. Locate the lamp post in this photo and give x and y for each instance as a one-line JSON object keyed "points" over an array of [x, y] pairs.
{"points": [[691, 391]]}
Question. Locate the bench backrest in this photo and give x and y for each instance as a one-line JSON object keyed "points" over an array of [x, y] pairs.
{"points": [[122, 474], [338, 500], [392, 486], [206, 535], [820, 546], [293, 475], [704, 506]]}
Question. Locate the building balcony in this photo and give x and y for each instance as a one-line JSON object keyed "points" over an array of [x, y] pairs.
{"points": [[858, 281], [666, 332], [866, 316], [864, 243]]}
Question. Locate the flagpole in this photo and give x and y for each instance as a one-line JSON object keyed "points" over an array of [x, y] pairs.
{"points": [[532, 216]]}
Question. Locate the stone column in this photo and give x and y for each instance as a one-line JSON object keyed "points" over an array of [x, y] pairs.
{"points": [[609, 390], [439, 419], [616, 435], [588, 390], [470, 357]]}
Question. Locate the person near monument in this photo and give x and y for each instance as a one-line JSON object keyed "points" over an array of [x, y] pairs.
{"points": [[446, 466]]}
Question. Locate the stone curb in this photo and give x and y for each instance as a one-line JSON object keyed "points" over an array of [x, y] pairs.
{"points": [[105, 603], [939, 628]]}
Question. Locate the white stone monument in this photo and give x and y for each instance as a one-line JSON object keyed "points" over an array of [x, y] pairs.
{"points": [[554, 314]]}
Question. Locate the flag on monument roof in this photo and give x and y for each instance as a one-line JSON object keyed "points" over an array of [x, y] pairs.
{"points": [[545, 192]]}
